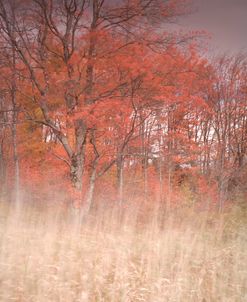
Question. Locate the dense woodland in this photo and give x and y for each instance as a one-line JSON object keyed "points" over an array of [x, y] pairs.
{"points": [[104, 102]]}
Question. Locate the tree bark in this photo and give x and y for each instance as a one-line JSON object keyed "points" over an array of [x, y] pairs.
{"points": [[120, 178], [2, 168]]}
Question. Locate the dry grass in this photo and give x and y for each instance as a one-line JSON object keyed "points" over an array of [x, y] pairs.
{"points": [[45, 257]]}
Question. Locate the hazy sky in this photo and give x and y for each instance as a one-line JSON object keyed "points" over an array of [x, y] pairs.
{"points": [[226, 20]]}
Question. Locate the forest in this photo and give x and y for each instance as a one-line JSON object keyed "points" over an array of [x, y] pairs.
{"points": [[112, 122]]}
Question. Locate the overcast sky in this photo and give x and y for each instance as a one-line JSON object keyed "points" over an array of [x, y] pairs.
{"points": [[226, 20]]}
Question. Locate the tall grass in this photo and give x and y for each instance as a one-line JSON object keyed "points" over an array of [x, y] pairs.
{"points": [[46, 257]]}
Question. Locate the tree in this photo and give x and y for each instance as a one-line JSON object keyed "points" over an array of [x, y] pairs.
{"points": [[63, 49]]}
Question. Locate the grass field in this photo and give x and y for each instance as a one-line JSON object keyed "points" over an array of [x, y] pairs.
{"points": [[46, 257]]}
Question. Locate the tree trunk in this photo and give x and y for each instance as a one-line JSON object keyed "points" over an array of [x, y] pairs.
{"points": [[78, 157], [16, 162], [168, 202], [120, 179], [76, 170], [2, 169], [144, 154], [161, 178], [14, 132], [91, 53], [89, 198], [145, 174]]}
